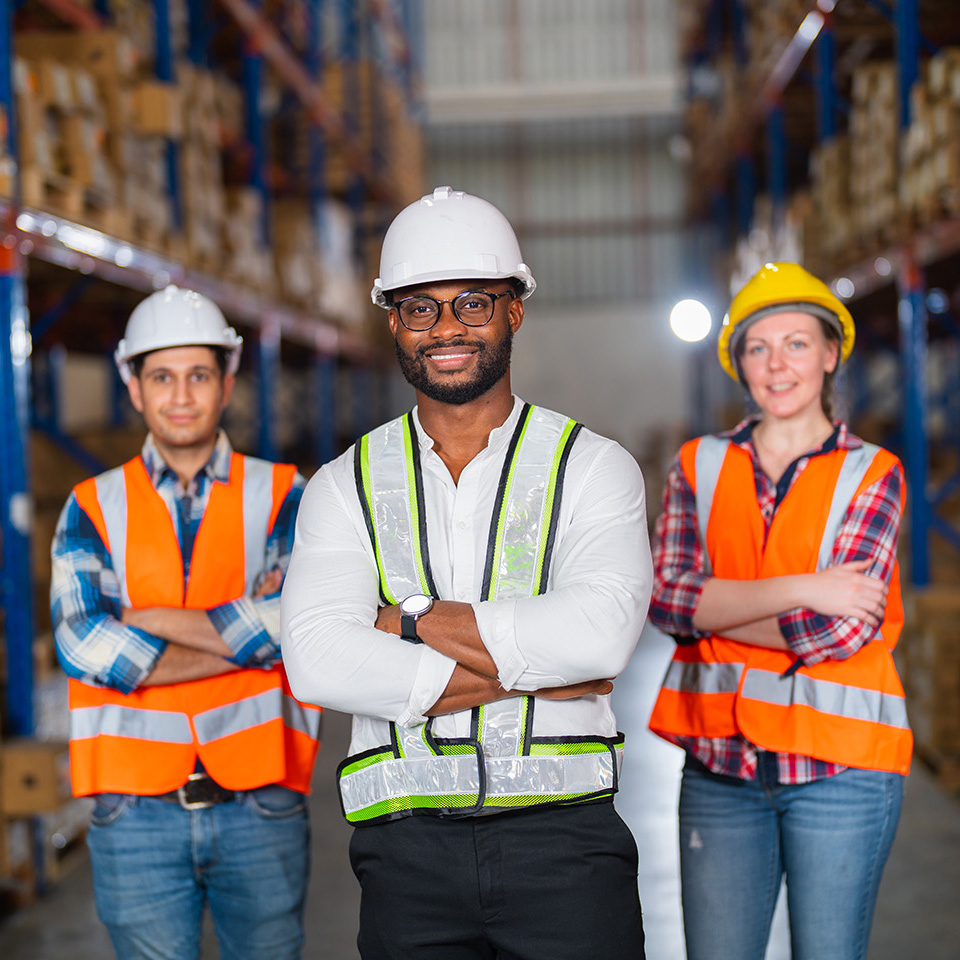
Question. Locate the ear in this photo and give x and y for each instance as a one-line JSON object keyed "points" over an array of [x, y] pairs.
{"points": [[136, 393], [392, 322], [515, 314], [228, 381], [834, 356]]}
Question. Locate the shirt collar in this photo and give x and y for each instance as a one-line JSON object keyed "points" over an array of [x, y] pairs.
{"points": [[840, 439], [216, 468], [498, 437]]}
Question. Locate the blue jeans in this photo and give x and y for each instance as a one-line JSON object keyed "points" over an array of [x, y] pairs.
{"points": [[156, 865], [830, 838]]}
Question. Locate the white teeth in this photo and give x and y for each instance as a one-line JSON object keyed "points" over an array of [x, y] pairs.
{"points": [[779, 387]]}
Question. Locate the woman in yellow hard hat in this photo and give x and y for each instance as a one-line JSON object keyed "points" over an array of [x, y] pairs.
{"points": [[776, 572]]}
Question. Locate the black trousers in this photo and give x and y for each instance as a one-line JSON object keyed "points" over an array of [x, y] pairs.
{"points": [[551, 884]]}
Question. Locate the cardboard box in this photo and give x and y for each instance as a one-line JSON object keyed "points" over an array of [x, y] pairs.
{"points": [[157, 110], [34, 776]]}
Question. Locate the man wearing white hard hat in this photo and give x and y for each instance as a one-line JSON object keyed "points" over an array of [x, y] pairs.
{"points": [[165, 607], [466, 581]]}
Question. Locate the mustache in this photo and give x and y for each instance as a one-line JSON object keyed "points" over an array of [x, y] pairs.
{"points": [[425, 349]]}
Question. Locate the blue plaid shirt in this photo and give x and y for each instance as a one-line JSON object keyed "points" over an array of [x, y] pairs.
{"points": [[93, 645]]}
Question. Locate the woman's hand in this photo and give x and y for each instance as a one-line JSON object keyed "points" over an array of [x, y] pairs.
{"points": [[845, 591]]}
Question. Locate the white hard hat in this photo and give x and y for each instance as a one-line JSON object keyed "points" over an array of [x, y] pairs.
{"points": [[175, 317], [449, 235]]}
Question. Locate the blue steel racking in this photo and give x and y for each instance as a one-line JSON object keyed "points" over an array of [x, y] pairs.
{"points": [[93, 255]]}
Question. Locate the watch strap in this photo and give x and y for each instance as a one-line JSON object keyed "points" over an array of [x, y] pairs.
{"points": [[408, 628]]}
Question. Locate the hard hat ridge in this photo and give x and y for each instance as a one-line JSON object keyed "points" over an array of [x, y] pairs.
{"points": [[176, 317], [449, 235]]}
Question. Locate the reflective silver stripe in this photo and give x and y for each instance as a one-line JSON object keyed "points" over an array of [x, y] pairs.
{"points": [[412, 741], [257, 506], [502, 725], [525, 516], [507, 778], [298, 716], [112, 495], [854, 469], [703, 677], [708, 462], [826, 696], [112, 720], [447, 776], [389, 482], [231, 718]]}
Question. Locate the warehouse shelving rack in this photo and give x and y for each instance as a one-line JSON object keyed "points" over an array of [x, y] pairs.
{"points": [[784, 90], [29, 234]]}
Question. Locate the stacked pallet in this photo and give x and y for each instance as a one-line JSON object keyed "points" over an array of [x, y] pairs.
{"points": [[832, 202], [296, 252], [382, 125], [109, 142], [874, 153], [930, 150], [248, 260], [201, 168]]}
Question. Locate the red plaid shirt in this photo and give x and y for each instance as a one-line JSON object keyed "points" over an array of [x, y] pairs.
{"points": [[869, 532]]}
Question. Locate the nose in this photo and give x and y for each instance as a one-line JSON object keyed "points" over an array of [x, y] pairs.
{"points": [[447, 324], [181, 390], [775, 358]]}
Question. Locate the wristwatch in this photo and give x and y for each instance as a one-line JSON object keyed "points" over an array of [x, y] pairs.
{"points": [[412, 608]]}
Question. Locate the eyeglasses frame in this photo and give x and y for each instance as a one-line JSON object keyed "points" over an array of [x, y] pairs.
{"points": [[422, 296]]}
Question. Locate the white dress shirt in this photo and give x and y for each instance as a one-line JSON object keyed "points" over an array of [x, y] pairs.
{"points": [[585, 627]]}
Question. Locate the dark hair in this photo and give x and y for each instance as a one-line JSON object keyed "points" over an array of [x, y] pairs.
{"points": [[828, 395], [136, 363]]}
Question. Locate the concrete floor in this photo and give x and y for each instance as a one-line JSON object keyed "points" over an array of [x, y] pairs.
{"points": [[917, 913]]}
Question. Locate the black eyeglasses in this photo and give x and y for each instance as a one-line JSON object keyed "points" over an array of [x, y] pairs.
{"points": [[471, 308]]}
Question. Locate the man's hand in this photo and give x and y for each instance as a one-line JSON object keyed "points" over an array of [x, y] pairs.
{"points": [[191, 629], [271, 583], [468, 689]]}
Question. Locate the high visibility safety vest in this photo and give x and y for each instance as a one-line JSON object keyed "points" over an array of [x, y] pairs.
{"points": [[849, 712], [502, 765], [245, 726]]}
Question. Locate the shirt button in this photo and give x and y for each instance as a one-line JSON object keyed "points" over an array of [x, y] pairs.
{"points": [[462, 524]]}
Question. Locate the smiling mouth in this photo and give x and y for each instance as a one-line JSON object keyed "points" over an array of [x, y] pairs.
{"points": [[450, 358]]}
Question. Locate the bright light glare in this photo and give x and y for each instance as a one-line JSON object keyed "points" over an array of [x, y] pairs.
{"points": [[690, 320], [883, 266], [846, 288]]}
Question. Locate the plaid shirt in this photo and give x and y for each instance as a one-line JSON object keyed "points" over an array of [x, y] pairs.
{"points": [[868, 532], [93, 645]]}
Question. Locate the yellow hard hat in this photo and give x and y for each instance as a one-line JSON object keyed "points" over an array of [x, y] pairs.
{"points": [[777, 288]]}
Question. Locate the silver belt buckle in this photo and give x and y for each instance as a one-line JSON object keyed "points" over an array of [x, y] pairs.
{"points": [[193, 804]]}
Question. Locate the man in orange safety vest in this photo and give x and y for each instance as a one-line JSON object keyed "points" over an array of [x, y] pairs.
{"points": [[165, 607]]}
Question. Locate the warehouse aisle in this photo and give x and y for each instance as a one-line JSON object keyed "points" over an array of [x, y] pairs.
{"points": [[916, 915]]}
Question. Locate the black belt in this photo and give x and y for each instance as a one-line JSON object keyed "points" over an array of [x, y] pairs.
{"points": [[198, 793]]}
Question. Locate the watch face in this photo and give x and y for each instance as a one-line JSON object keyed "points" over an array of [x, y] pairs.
{"points": [[416, 605]]}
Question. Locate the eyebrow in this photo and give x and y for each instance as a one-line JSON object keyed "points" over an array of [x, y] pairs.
{"points": [[793, 333]]}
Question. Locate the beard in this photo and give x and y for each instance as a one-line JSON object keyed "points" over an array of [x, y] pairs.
{"points": [[492, 364]]}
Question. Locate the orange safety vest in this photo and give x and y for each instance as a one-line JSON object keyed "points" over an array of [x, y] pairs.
{"points": [[850, 712], [246, 727]]}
